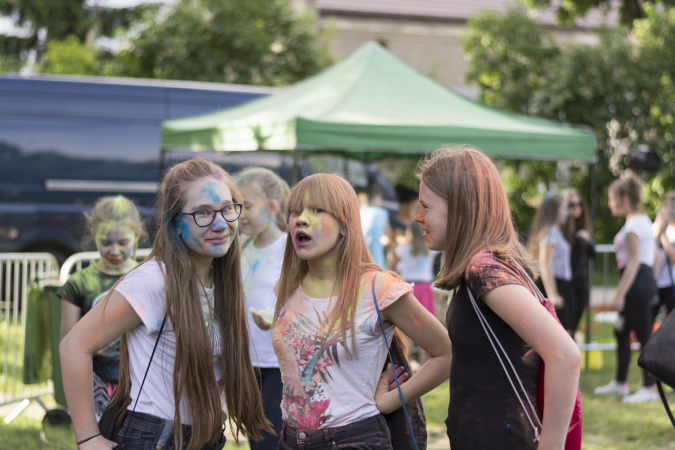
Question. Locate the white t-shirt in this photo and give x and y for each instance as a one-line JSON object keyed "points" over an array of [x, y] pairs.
{"points": [[562, 264], [663, 279], [323, 387], [260, 270], [641, 226], [418, 268], [145, 290]]}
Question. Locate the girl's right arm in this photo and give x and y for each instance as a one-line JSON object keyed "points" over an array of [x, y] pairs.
{"points": [[516, 306], [96, 330]]}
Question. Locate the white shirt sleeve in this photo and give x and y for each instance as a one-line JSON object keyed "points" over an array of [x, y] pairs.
{"points": [[145, 290]]}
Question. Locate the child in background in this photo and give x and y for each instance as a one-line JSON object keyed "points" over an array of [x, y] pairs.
{"points": [[262, 220], [116, 227], [415, 264]]}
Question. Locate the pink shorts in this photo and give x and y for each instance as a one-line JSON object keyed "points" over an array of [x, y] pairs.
{"points": [[423, 293]]}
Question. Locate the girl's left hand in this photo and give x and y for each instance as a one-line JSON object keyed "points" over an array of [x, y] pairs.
{"points": [[386, 384], [262, 324]]}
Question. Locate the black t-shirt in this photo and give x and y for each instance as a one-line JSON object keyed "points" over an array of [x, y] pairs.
{"points": [[86, 287], [484, 412]]}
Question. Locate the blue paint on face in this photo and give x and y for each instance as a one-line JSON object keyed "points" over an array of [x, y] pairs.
{"points": [[209, 192], [184, 228]]}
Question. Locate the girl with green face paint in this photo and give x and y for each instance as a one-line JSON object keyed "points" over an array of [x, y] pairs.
{"points": [[115, 227]]}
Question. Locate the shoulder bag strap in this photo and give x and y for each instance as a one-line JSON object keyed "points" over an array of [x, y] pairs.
{"points": [[143, 382], [492, 337], [391, 361]]}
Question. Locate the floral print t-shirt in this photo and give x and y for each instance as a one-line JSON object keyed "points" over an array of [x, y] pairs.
{"points": [[325, 385]]}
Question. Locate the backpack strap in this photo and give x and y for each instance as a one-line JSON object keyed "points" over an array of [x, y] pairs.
{"points": [[391, 361]]}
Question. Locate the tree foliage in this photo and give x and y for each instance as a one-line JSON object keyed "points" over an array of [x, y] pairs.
{"points": [[569, 10], [60, 19], [72, 57], [232, 41], [621, 88]]}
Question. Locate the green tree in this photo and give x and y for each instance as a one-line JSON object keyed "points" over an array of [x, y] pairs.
{"points": [[231, 41], [569, 10], [606, 87], [72, 57], [60, 19]]}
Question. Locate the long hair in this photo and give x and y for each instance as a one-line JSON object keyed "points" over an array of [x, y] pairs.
{"points": [[337, 197], [418, 246], [546, 217], [479, 217], [193, 371]]}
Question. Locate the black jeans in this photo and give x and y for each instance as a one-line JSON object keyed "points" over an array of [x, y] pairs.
{"points": [[368, 434], [146, 431], [665, 298], [566, 291], [269, 382], [637, 316]]}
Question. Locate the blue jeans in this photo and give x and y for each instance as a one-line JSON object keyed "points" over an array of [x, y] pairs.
{"points": [[367, 434], [271, 387], [147, 432]]}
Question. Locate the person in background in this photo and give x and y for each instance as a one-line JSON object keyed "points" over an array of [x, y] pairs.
{"points": [[664, 266], [375, 224], [263, 221], [635, 254], [115, 227], [547, 242], [415, 264], [577, 231], [465, 212]]}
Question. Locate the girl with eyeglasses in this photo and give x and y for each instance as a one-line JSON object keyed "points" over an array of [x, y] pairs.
{"points": [[577, 231], [189, 288]]}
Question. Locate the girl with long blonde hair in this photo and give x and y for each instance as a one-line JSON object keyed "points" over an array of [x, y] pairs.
{"points": [[465, 213], [326, 334], [189, 292]]}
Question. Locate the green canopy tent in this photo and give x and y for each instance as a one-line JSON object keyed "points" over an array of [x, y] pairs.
{"points": [[373, 104]]}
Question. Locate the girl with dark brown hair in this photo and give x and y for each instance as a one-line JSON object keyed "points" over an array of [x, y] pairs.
{"points": [[326, 334], [465, 213], [190, 288], [577, 230]]}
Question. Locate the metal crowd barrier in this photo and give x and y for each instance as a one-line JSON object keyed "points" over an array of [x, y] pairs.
{"points": [[17, 272], [75, 262]]}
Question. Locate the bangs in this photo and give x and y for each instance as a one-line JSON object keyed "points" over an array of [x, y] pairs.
{"points": [[325, 191]]}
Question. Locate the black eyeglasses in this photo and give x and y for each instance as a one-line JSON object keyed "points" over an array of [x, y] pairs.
{"points": [[573, 205], [205, 217]]}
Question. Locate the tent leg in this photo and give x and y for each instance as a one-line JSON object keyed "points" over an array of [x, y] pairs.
{"points": [[594, 180], [295, 175]]}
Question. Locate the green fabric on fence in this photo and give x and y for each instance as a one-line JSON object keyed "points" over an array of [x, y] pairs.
{"points": [[55, 332], [37, 354]]}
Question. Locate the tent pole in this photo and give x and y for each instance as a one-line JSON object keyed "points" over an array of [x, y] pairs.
{"points": [[295, 175], [594, 179]]}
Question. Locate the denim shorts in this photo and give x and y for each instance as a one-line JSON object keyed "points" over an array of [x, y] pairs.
{"points": [[147, 432], [368, 434]]}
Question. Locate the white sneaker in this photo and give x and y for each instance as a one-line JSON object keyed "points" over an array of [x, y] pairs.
{"points": [[613, 388], [642, 395]]}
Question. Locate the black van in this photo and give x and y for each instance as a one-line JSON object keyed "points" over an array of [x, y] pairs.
{"points": [[65, 141]]}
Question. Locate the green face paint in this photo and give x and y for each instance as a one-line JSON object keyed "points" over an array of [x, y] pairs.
{"points": [[115, 241]]}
